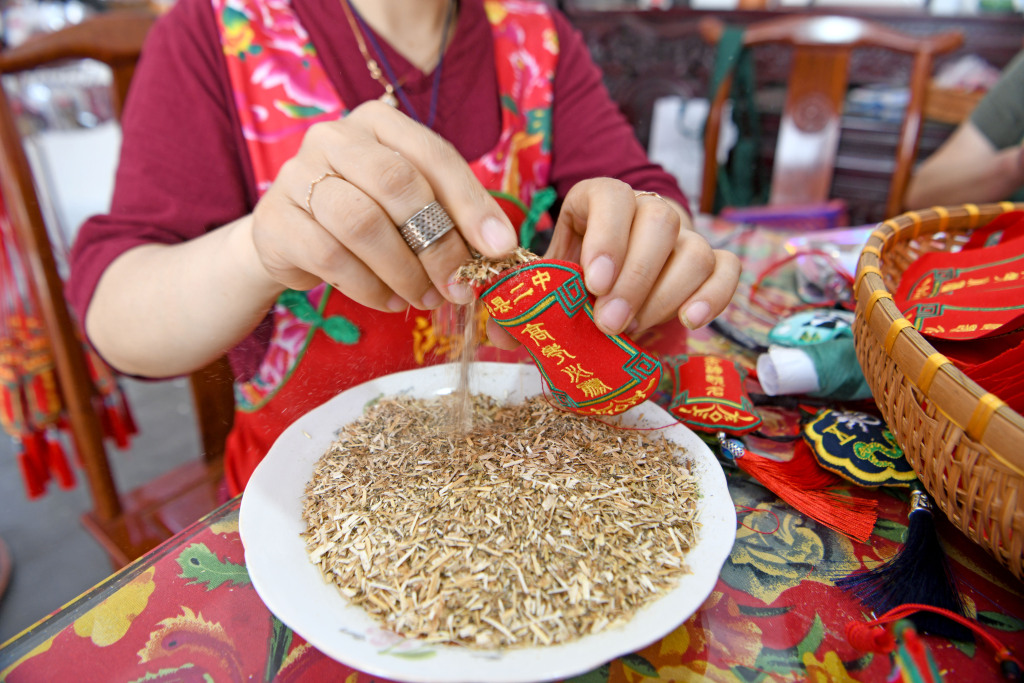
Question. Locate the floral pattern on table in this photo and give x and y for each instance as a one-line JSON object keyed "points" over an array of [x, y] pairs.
{"points": [[188, 612]]}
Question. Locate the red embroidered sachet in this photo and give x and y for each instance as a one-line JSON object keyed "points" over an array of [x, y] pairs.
{"points": [[708, 394], [970, 294], [1005, 226], [1001, 372], [545, 306]]}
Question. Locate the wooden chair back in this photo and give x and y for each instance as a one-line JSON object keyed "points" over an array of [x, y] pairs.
{"points": [[808, 138], [126, 524]]}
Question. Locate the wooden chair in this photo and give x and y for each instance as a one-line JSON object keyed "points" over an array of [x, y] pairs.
{"points": [[808, 136], [130, 523]]}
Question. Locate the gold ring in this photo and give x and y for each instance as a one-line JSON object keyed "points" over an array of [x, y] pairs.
{"points": [[647, 193], [309, 192]]}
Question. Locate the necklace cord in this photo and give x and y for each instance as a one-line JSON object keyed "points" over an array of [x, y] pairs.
{"points": [[371, 63], [392, 83]]}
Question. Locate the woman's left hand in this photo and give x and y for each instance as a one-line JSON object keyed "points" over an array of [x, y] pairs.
{"points": [[640, 258]]}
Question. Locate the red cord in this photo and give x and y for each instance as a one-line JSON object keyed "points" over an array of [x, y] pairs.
{"points": [[870, 636], [778, 310], [750, 510]]}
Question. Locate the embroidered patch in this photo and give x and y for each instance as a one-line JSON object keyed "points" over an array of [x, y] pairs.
{"points": [[545, 305], [812, 327], [708, 394], [858, 447]]}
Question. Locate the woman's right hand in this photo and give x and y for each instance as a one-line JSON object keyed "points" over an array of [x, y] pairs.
{"points": [[381, 168]]}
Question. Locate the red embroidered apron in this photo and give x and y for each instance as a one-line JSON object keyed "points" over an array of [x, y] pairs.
{"points": [[322, 341]]}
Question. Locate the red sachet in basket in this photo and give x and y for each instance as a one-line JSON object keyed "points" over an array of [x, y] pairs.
{"points": [[1013, 397], [1002, 375], [1005, 226], [971, 294], [545, 306], [973, 352]]}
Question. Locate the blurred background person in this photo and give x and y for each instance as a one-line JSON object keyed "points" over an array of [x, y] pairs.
{"points": [[983, 160]]}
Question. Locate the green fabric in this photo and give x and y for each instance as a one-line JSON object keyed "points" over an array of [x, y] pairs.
{"points": [[336, 327], [541, 202], [839, 374], [737, 179], [1000, 114]]}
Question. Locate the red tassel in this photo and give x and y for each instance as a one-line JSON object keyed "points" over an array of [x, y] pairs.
{"points": [[866, 638], [36, 448], [99, 405], [35, 483], [126, 413], [808, 488], [118, 429], [870, 638], [57, 462]]}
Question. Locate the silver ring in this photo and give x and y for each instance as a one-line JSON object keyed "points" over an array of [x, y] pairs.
{"points": [[426, 226]]}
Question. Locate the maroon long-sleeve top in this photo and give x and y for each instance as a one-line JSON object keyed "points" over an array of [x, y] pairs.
{"points": [[184, 168]]}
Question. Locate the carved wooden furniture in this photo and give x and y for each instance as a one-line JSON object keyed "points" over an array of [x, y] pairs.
{"points": [[126, 524], [645, 55], [808, 137]]}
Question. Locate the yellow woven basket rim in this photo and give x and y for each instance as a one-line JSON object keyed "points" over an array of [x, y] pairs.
{"points": [[980, 414]]}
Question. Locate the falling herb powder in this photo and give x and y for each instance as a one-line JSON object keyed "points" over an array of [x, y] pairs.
{"points": [[533, 528]]}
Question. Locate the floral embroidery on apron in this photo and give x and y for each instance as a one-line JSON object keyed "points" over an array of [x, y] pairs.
{"points": [[280, 89]]}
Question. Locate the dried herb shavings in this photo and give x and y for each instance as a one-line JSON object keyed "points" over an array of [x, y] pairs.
{"points": [[534, 528], [479, 270]]}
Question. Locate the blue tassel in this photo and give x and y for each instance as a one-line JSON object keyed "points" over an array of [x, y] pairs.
{"points": [[919, 573]]}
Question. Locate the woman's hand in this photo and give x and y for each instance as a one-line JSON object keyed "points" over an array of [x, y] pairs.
{"points": [[378, 169], [641, 259]]}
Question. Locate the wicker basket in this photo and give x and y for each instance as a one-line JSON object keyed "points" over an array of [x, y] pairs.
{"points": [[966, 445]]}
